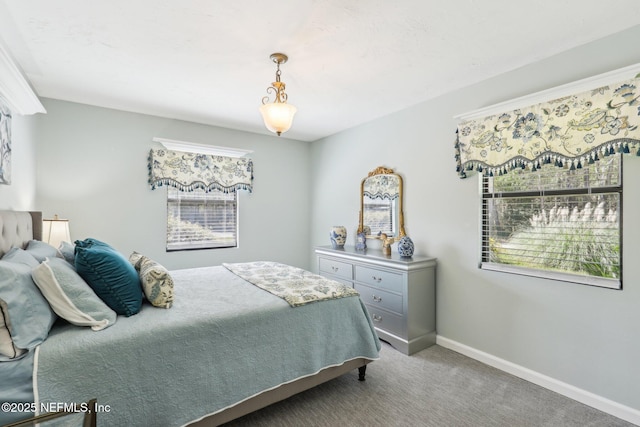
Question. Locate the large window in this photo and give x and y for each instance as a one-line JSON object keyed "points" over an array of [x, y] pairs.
{"points": [[199, 220], [556, 223]]}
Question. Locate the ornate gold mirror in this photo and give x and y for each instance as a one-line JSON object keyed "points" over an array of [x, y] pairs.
{"points": [[381, 214]]}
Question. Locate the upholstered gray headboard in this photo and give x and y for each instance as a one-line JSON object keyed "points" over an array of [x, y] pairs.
{"points": [[18, 227]]}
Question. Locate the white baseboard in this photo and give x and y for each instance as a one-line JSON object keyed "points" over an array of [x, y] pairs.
{"points": [[603, 404]]}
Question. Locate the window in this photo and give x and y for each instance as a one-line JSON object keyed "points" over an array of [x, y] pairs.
{"points": [[199, 220], [556, 223], [381, 215]]}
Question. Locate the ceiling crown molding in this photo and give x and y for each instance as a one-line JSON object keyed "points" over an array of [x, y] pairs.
{"points": [[192, 147], [15, 89], [554, 93]]}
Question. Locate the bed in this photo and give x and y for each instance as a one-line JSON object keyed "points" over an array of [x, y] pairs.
{"points": [[225, 348]]}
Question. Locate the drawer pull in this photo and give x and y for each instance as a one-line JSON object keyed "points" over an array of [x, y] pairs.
{"points": [[335, 269], [376, 279], [377, 298], [376, 318]]}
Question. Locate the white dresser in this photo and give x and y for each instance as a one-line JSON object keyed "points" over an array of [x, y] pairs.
{"points": [[398, 292]]}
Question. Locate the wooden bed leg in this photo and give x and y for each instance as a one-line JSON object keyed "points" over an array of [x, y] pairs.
{"points": [[361, 371]]}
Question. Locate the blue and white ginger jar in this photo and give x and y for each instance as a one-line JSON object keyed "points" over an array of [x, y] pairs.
{"points": [[338, 236], [405, 247]]}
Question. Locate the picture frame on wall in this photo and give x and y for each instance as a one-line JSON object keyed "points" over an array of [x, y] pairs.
{"points": [[5, 144]]}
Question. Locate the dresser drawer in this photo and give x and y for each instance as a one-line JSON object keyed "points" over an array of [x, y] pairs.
{"points": [[389, 322], [379, 278], [336, 268], [380, 298]]}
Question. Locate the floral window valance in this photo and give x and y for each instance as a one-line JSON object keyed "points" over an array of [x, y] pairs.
{"points": [[568, 132], [382, 187], [189, 171]]}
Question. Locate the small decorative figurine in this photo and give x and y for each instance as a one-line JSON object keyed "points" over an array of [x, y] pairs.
{"points": [[386, 243]]}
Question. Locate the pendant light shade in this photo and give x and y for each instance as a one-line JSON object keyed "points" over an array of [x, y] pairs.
{"points": [[277, 115]]}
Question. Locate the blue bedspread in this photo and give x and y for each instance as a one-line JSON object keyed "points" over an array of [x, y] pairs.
{"points": [[16, 389], [223, 341]]}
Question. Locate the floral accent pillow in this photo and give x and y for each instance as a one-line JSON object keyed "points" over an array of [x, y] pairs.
{"points": [[157, 283]]}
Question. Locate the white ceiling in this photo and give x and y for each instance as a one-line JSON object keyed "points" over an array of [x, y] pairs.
{"points": [[350, 61]]}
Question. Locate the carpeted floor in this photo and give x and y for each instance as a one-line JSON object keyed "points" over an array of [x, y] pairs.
{"points": [[435, 387]]}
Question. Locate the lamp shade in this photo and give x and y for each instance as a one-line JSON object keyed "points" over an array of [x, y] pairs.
{"points": [[55, 230], [278, 116]]}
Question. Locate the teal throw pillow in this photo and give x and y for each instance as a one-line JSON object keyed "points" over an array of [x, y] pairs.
{"points": [[110, 275]]}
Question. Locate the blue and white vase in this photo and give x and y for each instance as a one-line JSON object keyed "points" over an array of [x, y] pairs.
{"points": [[405, 247], [338, 236]]}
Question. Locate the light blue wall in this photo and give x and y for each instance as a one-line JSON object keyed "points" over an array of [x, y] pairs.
{"points": [[580, 335], [21, 193], [92, 169]]}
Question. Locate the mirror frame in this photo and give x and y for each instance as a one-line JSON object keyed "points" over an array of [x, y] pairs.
{"points": [[381, 170]]}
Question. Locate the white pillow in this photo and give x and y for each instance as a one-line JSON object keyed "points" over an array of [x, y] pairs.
{"points": [[70, 296]]}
